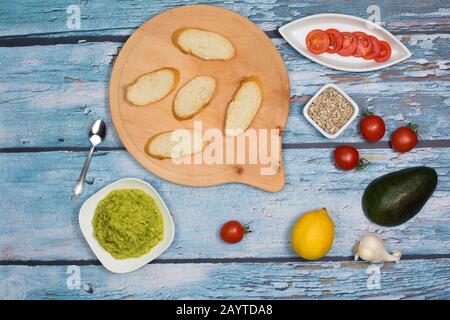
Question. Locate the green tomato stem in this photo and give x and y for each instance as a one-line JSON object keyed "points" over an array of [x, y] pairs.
{"points": [[415, 128], [367, 113], [246, 228], [362, 164]]}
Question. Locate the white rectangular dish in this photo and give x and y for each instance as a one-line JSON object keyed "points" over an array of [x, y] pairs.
{"points": [[353, 117], [296, 31], [87, 212]]}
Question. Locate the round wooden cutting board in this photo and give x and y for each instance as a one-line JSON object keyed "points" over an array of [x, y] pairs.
{"points": [[151, 48]]}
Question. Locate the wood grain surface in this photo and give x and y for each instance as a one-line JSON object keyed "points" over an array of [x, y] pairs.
{"points": [[61, 92], [311, 181], [54, 84], [412, 279], [151, 48]]}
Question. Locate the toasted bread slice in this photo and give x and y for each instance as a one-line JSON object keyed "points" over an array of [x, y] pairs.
{"points": [[174, 144], [203, 44], [244, 106], [193, 97], [153, 86]]}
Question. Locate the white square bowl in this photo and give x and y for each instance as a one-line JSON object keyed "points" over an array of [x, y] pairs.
{"points": [[353, 117], [87, 212]]}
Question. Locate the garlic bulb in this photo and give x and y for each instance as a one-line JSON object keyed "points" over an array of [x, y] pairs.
{"points": [[371, 248]]}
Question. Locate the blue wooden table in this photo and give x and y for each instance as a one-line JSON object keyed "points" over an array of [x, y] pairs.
{"points": [[53, 85]]}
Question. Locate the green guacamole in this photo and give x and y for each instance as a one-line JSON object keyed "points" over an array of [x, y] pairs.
{"points": [[128, 223]]}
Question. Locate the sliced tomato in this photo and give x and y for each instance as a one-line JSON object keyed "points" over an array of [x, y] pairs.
{"points": [[376, 47], [336, 40], [385, 52], [317, 41], [364, 44], [349, 44]]}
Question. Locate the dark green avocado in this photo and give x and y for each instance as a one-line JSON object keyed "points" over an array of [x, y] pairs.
{"points": [[396, 197]]}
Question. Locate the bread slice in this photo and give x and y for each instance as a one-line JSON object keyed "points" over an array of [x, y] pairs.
{"points": [[244, 106], [174, 144], [203, 44], [153, 86], [193, 97]]}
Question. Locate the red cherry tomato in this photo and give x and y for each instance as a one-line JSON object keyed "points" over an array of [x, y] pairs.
{"points": [[336, 40], [404, 139], [233, 231], [372, 127], [349, 44], [364, 44], [317, 41], [346, 157], [376, 48], [385, 52]]}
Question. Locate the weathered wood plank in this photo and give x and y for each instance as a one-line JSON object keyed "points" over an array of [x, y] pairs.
{"points": [[122, 17], [54, 92], [40, 223], [414, 279]]}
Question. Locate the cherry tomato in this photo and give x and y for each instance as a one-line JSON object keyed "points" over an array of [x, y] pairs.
{"points": [[376, 47], [233, 231], [385, 52], [364, 44], [347, 158], [317, 41], [405, 138], [336, 40], [372, 127], [349, 44]]}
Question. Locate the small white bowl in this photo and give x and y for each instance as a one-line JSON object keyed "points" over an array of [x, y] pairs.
{"points": [[354, 115], [86, 215]]}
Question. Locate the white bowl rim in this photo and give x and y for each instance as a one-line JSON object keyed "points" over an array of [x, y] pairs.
{"points": [[99, 251], [346, 96]]}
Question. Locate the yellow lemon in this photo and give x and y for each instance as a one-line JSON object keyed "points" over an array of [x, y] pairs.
{"points": [[313, 234]]}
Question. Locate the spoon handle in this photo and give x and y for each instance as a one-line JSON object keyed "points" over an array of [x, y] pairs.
{"points": [[78, 188]]}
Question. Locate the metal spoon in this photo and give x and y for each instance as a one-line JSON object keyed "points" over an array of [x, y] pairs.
{"points": [[96, 135]]}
